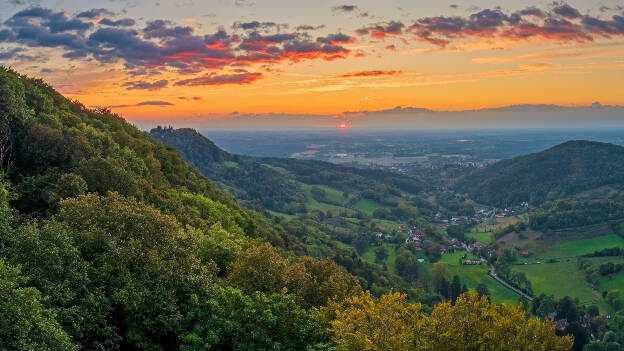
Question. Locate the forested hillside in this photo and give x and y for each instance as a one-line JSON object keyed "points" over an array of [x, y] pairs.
{"points": [[257, 185], [561, 171], [109, 240], [263, 184]]}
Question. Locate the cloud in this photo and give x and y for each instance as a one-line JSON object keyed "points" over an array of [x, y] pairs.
{"points": [[337, 38], [143, 103], [307, 27], [255, 25], [382, 30], [10, 54], [366, 74], [125, 22], [163, 46], [566, 11], [95, 13], [143, 85], [562, 23], [345, 8], [240, 77]]}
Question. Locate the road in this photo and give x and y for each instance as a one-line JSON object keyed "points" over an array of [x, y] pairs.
{"points": [[507, 285]]}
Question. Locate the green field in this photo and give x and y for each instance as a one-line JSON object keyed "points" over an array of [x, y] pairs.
{"points": [[369, 256], [473, 275], [367, 206], [332, 195], [585, 246], [616, 282], [484, 237], [563, 278], [559, 279], [312, 204]]}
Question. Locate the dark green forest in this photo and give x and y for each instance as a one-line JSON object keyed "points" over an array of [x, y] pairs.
{"points": [[561, 171]]}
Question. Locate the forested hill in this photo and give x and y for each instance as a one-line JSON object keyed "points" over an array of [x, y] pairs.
{"points": [[258, 185], [561, 171], [275, 183]]}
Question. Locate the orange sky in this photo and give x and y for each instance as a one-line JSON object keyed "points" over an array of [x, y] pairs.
{"points": [[472, 68]]}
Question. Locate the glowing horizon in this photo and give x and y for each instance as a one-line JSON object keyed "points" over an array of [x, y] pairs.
{"points": [[180, 61]]}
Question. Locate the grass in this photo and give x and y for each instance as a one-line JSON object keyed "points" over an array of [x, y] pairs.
{"points": [[333, 195], [369, 256], [484, 237], [474, 275], [585, 246], [312, 204], [559, 279], [616, 282], [230, 164], [367, 206]]}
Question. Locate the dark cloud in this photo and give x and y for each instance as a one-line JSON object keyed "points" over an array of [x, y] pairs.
{"points": [[562, 23], [255, 25], [566, 11], [239, 77], [95, 13], [194, 98], [163, 46], [382, 30], [125, 22], [143, 85], [345, 8], [163, 29], [337, 38], [307, 27]]}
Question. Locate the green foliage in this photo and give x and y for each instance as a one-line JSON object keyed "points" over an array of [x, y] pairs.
{"points": [[231, 320], [26, 324], [144, 262], [570, 213], [563, 170]]}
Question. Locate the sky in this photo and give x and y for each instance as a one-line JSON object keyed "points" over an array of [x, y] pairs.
{"points": [[191, 60]]}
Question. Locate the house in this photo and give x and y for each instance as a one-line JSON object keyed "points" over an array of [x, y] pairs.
{"points": [[525, 253], [561, 324], [585, 321], [475, 247], [421, 260]]}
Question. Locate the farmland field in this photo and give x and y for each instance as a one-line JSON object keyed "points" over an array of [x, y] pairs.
{"points": [[369, 256], [366, 206], [559, 279], [484, 237], [585, 246], [473, 275]]}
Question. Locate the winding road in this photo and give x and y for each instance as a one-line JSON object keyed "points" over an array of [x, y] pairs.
{"points": [[507, 285]]}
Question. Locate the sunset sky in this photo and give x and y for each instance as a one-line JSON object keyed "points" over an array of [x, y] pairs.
{"points": [[203, 59]]}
